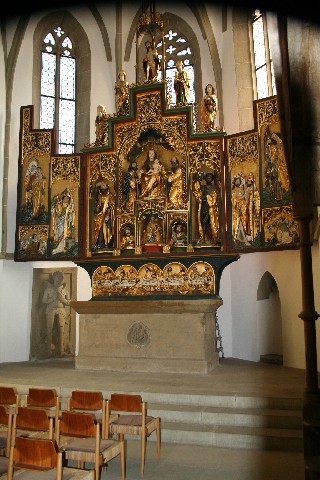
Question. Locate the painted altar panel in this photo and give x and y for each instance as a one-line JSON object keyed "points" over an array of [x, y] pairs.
{"points": [[258, 188], [155, 206], [48, 197]]}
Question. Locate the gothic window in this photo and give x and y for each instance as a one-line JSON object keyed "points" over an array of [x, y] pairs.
{"points": [[177, 47], [57, 88], [263, 75]]}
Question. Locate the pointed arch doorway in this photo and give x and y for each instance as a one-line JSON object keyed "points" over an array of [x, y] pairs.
{"points": [[269, 321]]}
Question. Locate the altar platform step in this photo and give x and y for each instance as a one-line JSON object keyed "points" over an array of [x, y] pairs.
{"points": [[279, 428], [239, 405]]}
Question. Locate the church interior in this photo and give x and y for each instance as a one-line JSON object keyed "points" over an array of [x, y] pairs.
{"points": [[160, 230]]}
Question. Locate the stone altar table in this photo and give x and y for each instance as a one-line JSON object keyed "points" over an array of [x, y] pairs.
{"points": [[148, 336]]}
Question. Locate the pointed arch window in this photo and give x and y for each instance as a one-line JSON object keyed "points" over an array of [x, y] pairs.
{"points": [[57, 88], [177, 47], [262, 66]]}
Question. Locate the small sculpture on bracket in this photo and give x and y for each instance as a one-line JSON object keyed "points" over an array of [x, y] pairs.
{"points": [[181, 84], [151, 62], [101, 125], [209, 108], [122, 94]]}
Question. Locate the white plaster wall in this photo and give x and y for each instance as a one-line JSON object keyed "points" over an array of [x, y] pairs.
{"points": [[15, 308], [245, 276], [224, 313], [230, 95]]}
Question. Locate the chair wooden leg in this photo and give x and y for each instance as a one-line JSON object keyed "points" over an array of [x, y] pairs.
{"points": [[59, 467], [10, 466], [143, 450], [123, 461], [97, 469], [158, 439]]}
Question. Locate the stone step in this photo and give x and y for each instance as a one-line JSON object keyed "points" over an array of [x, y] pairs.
{"points": [[233, 436], [224, 400], [267, 418], [249, 423]]}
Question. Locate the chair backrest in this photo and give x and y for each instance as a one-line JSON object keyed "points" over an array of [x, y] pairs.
{"points": [[33, 420], [123, 402], [9, 396], [86, 400], [6, 429], [4, 416], [77, 425], [42, 397], [35, 454]]}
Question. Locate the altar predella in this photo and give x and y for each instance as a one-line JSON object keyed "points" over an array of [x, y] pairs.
{"points": [[159, 204]]}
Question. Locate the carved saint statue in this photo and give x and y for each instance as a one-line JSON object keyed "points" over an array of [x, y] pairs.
{"points": [[209, 108], [153, 233], [152, 176], [122, 94], [151, 62]]}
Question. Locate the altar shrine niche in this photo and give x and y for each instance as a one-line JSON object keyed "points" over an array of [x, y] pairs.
{"points": [[155, 205]]}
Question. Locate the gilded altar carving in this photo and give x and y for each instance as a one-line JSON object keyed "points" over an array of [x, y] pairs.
{"points": [[150, 279], [153, 184]]}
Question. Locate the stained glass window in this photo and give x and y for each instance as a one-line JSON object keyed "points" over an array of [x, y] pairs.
{"points": [[177, 47], [58, 74]]}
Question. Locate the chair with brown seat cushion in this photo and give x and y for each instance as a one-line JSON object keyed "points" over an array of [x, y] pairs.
{"points": [[78, 435], [87, 401], [9, 398], [132, 419], [44, 398], [6, 420], [37, 455], [32, 422]]}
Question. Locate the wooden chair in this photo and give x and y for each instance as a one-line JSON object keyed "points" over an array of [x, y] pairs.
{"points": [[32, 422], [5, 431], [89, 402], [9, 398], [45, 399], [79, 437], [35, 454], [134, 421]]}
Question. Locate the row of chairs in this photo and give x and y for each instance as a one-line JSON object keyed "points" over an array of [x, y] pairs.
{"points": [[88, 419]]}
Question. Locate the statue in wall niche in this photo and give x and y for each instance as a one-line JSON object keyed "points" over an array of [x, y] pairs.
{"points": [[56, 298]]}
